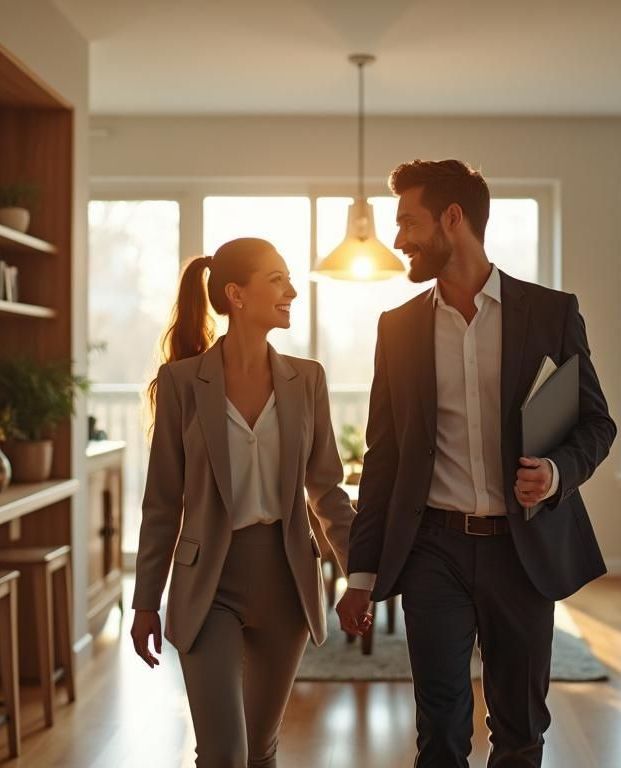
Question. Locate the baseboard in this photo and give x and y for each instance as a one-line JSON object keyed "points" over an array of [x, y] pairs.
{"points": [[614, 566], [83, 650]]}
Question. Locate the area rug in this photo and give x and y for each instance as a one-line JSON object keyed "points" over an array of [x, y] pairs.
{"points": [[337, 660]]}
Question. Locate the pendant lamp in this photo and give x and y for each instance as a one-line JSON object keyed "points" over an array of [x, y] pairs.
{"points": [[361, 256]]}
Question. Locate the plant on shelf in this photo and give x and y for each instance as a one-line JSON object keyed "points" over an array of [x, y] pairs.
{"points": [[16, 203], [41, 396], [351, 440], [7, 422]]}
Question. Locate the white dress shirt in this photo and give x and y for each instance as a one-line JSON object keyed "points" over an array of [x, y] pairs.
{"points": [[255, 466], [467, 474]]}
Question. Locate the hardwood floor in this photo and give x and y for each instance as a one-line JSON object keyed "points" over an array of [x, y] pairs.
{"points": [[128, 716]]}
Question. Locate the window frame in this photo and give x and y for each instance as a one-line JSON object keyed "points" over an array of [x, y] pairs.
{"points": [[189, 193]]}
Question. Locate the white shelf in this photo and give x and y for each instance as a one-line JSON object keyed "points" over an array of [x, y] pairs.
{"points": [[21, 498], [19, 241], [101, 447], [29, 310]]}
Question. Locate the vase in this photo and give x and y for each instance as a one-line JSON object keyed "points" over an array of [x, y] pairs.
{"points": [[31, 460], [5, 471], [15, 218]]}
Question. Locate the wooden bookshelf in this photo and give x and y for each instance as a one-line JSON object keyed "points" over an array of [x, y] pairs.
{"points": [[36, 146]]}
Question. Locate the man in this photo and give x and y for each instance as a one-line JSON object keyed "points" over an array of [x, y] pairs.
{"points": [[444, 485]]}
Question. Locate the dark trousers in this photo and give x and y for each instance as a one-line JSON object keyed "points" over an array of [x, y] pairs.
{"points": [[457, 588]]}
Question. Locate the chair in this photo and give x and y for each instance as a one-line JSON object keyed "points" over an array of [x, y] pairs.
{"points": [[49, 569], [9, 657]]}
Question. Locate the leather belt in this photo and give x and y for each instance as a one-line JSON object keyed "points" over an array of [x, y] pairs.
{"points": [[474, 525]]}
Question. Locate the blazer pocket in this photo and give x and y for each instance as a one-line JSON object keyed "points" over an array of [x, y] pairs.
{"points": [[186, 551]]}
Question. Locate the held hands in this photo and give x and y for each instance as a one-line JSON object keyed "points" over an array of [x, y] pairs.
{"points": [[533, 481], [353, 611], [147, 623]]}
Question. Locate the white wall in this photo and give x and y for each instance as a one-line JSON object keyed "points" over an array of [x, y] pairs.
{"points": [[583, 155], [39, 35]]}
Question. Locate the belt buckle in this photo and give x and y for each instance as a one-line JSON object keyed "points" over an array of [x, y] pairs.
{"points": [[473, 533]]}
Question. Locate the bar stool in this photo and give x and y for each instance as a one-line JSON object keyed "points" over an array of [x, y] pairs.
{"points": [[9, 658], [50, 571]]}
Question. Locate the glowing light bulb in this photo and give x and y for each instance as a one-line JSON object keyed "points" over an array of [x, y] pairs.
{"points": [[362, 267]]}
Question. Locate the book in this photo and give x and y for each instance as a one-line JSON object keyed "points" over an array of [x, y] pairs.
{"points": [[546, 369], [10, 283], [550, 411]]}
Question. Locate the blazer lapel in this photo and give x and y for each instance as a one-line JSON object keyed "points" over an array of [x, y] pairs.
{"points": [[211, 409], [289, 406], [425, 366], [515, 312]]}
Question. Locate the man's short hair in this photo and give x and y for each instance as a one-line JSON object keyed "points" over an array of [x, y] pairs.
{"points": [[444, 182]]}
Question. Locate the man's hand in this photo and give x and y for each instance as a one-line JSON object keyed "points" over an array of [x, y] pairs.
{"points": [[353, 611], [533, 481], [147, 623]]}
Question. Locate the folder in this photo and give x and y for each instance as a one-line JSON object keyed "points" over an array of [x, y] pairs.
{"points": [[550, 411]]}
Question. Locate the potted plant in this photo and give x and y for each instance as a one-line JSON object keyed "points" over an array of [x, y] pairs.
{"points": [[351, 440], [16, 200], [7, 421], [41, 396]]}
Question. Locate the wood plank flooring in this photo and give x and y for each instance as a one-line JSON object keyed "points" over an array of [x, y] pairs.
{"points": [[128, 716]]}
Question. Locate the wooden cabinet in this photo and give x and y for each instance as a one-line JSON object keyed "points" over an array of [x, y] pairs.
{"points": [[104, 466]]}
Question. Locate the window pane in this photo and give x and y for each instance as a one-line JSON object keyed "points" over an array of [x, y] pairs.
{"points": [[348, 311], [285, 222], [133, 269], [512, 239]]}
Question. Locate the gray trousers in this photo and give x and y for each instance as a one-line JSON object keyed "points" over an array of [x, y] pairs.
{"points": [[240, 670]]}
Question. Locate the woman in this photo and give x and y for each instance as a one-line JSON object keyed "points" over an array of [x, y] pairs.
{"points": [[239, 432]]}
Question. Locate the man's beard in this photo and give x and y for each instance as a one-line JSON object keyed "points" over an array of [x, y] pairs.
{"points": [[430, 258]]}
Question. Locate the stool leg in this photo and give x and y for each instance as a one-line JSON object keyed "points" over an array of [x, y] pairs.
{"points": [[62, 605], [332, 583], [9, 663], [45, 638]]}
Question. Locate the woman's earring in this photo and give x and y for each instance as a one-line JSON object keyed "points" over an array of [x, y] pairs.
{"points": [[240, 305]]}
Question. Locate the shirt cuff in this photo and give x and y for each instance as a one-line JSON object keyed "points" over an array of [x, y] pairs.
{"points": [[361, 581], [555, 480]]}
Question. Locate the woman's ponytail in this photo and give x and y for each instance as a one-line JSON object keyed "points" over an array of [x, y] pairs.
{"points": [[191, 329]]}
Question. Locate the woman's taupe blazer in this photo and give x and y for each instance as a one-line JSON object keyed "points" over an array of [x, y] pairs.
{"points": [[187, 500]]}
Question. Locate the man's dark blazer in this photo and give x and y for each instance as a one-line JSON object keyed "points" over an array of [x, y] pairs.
{"points": [[557, 547]]}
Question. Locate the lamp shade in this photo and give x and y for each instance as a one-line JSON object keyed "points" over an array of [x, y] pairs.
{"points": [[361, 256]]}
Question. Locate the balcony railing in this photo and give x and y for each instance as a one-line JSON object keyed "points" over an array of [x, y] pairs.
{"points": [[118, 409]]}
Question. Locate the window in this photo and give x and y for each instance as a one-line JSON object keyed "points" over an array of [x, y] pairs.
{"points": [[285, 222], [134, 265], [133, 269], [512, 237]]}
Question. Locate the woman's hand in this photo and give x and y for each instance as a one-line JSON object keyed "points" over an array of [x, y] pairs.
{"points": [[353, 611], [147, 623]]}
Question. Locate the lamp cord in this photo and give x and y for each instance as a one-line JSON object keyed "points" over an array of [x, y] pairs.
{"points": [[360, 131]]}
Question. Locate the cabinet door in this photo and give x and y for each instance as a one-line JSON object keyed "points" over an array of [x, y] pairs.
{"points": [[96, 512], [113, 521]]}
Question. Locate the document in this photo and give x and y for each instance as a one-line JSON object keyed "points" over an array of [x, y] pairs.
{"points": [[550, 411]]}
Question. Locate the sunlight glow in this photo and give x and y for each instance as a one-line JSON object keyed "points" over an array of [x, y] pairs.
{"points": [[362, 267]]}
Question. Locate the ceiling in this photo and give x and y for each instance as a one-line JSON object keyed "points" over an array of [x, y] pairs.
{"points": [[482, 57]]}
